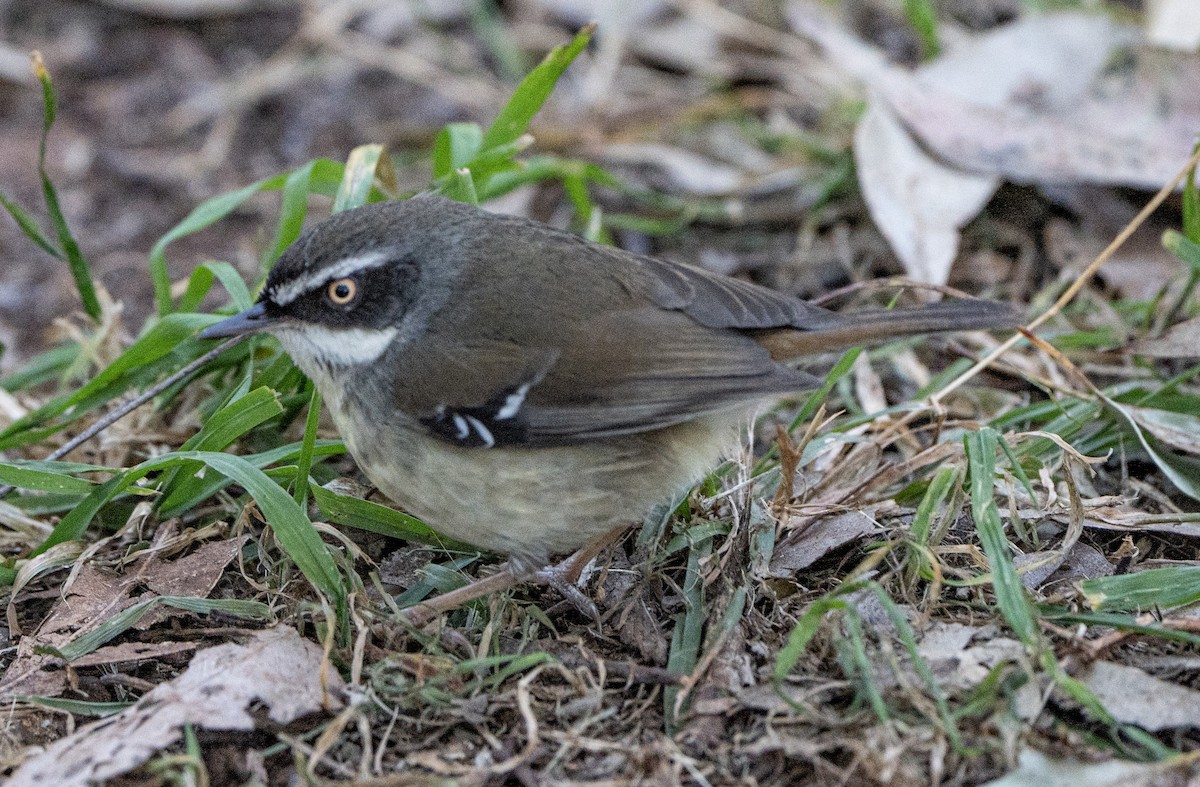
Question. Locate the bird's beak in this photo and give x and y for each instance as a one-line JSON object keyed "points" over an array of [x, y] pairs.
{"points": [[252, 320]]}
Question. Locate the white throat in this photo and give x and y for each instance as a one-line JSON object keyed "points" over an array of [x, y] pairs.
{"points": [[313, 346]]}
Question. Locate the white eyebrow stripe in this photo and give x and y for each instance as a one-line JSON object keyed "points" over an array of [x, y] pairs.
{"points": [[485, 434], [281, 296], [512, 403]]}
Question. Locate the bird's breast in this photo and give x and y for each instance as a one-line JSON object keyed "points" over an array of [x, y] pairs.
{"points": [[531, 503]]}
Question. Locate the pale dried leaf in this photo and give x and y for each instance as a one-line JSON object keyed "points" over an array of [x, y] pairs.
{"points": [[1133, 697], [944, 646], [1131, 127], [1173, 24], [918, 203], [98, 595], [868, 388], [1181, 340], [1178, 430], [1081, 562], [1035, 769], [277, 669]]}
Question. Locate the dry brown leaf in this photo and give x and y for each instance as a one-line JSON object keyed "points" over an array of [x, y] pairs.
{"points": [[799, 549], [276, 668], [97, 595], [132, 651]]}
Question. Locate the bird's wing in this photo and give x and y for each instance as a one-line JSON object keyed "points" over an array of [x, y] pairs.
{"points": [[717, 301], [615, 374]]}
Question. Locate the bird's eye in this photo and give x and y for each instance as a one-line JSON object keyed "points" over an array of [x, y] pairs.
{"points": [[342, 292]]}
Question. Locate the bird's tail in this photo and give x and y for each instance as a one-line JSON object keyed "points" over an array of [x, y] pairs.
{"points": [[877, 325]]}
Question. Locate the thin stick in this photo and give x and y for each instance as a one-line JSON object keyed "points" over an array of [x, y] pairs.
{"points": [[133, 404], [1083, 278]]}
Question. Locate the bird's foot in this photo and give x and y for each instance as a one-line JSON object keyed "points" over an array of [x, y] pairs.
{"points": [[562, 577]]}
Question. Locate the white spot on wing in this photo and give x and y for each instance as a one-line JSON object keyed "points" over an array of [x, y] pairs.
{"points": [[512, 403], [460, 423], [485, 434]]}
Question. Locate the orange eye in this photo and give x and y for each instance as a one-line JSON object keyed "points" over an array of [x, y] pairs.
{"points": [[342, 291]]}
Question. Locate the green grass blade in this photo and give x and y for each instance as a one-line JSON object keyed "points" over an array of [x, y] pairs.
{"points": [[129, 617], [29, 226], [802, 633], [200, 489], [203, 215], [199, 283], [219, 432], [322, 175], [1191, 204], [293, 210], [75, 707], [24, 477], [359, 177], [686, 639], [1146, 590], [531, 94], [292, 528], [43, 367], [66, 240], [1183, 471], [138, 362], [354, 512], [923, 18], [1010, 593], [455, 147], [304, 462]]}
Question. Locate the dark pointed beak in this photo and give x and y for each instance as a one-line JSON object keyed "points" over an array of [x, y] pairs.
{"points": [[252, 320]]}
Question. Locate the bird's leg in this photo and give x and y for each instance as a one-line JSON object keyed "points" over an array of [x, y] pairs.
{"points": [[425, 611], [562, 577]]}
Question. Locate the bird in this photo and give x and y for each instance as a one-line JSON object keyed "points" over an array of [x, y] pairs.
{"points": [[527, 391]]}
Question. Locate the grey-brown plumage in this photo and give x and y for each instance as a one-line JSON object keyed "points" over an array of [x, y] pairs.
{"points": [[525, 390]]}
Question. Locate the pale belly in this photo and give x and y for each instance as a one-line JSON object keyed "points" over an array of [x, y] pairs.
{"points": [[533, 503]]}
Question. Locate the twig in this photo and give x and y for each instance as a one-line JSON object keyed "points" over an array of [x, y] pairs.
{"points": [[131, 405], [1077, 285]]}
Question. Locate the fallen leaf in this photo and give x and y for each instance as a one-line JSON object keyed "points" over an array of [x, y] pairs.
{"points": [[132, 651], [1081, 562], [276, 668], [1035, 769], [918, 203], [1036, 101], [1133, 697], [96, 596], [944, 646], [1173, 24], [1181, 340], [799, 549], [1178, 430]]}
